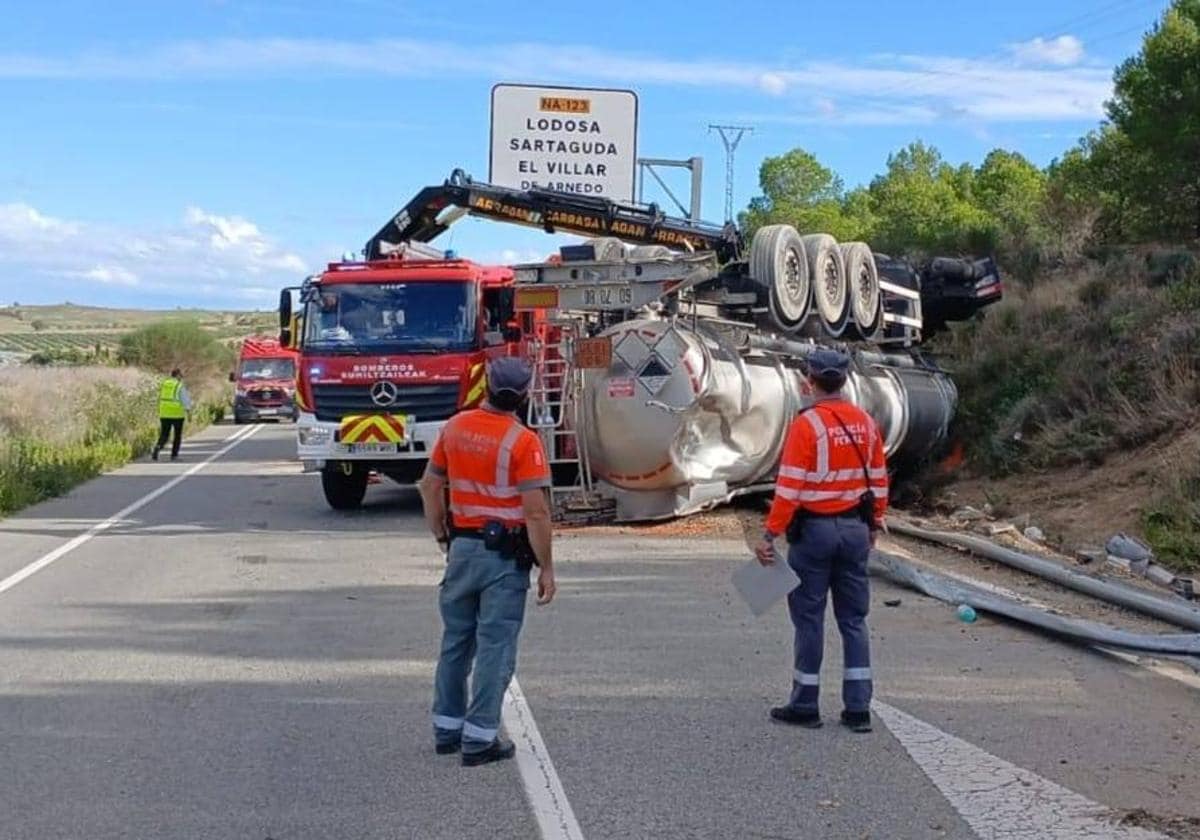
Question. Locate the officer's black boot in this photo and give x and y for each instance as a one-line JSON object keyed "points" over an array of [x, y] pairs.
{"points": [[498, 750], [788, 715], [857, 721], [154, 454]]}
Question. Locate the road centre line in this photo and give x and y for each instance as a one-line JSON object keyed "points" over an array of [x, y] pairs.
{"points": [[544, 789], [100, 527]]}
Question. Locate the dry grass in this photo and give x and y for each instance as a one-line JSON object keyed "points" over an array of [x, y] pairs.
{"points": [[1081, 364], [53, 404], [62, 426]]}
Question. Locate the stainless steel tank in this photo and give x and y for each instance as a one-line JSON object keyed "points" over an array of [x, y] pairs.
{"points": [[684, 407], [679, 406]]}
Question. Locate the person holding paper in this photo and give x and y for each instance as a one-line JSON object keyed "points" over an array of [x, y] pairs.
{"points": [[830, 497]]}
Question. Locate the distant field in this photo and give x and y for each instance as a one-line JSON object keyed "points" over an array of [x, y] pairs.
{"points": [[69, 316], [47, 341], [30, 329]]}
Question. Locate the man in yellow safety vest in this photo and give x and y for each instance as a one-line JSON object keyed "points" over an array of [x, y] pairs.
{"points": [[174, 403]]}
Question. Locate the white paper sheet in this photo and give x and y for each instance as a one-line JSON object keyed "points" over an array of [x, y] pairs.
{"points": [[761, 586]]}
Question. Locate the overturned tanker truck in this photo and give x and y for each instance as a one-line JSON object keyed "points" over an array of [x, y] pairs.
{"points": [[666, 373]]}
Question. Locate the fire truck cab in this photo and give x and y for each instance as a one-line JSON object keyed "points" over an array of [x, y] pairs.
{"points": [[389, 350]]}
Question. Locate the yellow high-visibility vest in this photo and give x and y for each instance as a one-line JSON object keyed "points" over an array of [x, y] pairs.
{"points": [[170, 406]]}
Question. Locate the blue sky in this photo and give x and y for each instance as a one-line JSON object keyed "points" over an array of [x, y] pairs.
{"points": [[207, 152]]}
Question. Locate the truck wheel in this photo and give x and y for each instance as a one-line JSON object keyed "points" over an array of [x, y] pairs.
{"points": [[828, 276], [779, 265], [866, 299], [344, 484], [607, 247]]}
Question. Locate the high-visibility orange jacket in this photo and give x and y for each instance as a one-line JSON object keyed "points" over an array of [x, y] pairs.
{"points": [[820, 469], [488, 459]]}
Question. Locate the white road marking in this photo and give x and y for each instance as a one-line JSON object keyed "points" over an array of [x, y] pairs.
{"points": [[542, 785], [1176, 671], [997, 799], [100, 527]]}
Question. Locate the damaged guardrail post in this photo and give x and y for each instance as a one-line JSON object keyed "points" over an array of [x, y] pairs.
{"points": [[1180, 615]]}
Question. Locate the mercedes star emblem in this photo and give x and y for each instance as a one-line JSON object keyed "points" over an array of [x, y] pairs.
{"points": [[384, 393]]}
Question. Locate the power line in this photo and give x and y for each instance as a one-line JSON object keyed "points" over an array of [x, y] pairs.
{"points": [[1080, 23], [731, 144]]}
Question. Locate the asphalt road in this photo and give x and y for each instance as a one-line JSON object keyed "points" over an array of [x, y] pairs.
{"points": [[233, 660]]}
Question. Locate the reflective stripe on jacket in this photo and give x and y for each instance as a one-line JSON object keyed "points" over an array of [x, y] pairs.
{"points": [[170, 400], [488, 459], [820, 469]]}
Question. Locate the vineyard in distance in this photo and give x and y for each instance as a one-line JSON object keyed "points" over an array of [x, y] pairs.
{"points": [[73, 333]]}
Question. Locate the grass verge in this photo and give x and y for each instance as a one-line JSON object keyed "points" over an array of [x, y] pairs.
{"points": [[63, 426]]}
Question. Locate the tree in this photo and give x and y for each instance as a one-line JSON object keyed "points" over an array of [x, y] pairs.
{"points": [[1011, 189], [799, 191], [922, 204], [1156, 105]]}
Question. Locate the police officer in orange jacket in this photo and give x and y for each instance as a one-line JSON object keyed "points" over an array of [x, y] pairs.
{"points": [[498, 478], [830, 497]]}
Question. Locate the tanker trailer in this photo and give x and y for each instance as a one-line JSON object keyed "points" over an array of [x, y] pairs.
{"points": [[691, 413]]}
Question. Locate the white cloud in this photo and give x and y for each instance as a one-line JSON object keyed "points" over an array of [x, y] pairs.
{"points": [[1037, 81], [227, 257], [772, 83], [513, 256], [1063, 51], [111, 275]]}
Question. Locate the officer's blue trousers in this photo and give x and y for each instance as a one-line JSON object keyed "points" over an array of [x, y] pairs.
{"points": [[482, 601], [831, 556]]}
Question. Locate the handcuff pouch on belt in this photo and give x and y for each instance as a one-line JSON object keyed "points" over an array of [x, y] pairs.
{"points": [[511, 543]]}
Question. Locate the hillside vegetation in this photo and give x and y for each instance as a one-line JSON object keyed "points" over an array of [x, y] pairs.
{"points": [[63, 424], [1095, 350]]}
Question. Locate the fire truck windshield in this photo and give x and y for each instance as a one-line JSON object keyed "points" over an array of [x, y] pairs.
{"points": [[267, 369], [422, 316]]}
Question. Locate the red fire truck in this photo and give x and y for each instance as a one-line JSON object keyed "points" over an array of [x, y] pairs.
{"points": [[389, 349], [265, 381]]}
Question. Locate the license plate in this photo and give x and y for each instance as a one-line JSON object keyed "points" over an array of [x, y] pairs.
{"points": [[268, 412], [372, 448]]}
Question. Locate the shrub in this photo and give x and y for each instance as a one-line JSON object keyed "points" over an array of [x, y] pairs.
{"points": [[1172, 520], [1079, 364], [177, 344]]}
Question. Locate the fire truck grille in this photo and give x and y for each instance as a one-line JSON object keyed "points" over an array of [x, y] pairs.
{"points": [[266, 396], [424, 402]]}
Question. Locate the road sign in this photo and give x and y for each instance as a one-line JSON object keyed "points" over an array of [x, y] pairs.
{"points": [[574, 140]]}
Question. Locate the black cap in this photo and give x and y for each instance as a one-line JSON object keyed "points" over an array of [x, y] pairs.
{"points": [[508, 373], [828, 365]]}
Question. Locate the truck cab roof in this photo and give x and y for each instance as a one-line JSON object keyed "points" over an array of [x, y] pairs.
{"points": [[415, 271]]}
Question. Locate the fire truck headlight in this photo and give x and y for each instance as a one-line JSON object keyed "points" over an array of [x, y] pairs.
{"points": [[314, 436]]}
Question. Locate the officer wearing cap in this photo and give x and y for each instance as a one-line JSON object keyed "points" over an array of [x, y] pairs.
{"points": [[498, 479], [830, 498]]}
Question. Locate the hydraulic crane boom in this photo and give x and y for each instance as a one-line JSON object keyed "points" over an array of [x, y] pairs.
{"points": [[435, 208]]}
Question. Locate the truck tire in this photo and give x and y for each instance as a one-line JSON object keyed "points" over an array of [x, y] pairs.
{"points": [[344, 484], [779, 265], [866, 298], [607, 247], [828, 277]]}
